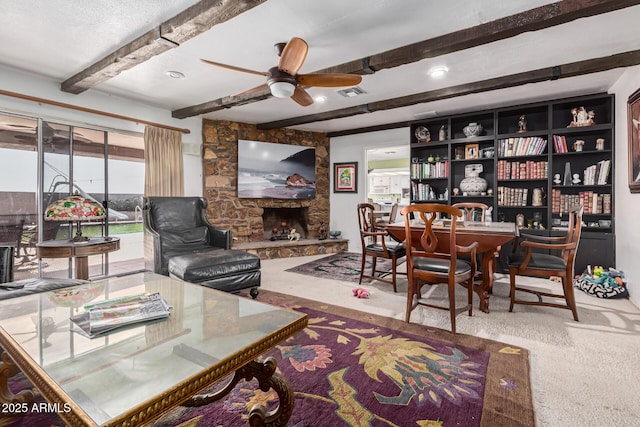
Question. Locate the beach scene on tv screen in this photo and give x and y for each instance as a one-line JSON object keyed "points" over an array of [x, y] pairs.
{"points": [[276, 171]]}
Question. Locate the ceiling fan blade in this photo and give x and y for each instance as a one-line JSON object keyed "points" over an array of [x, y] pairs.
{"points": [[302, 97], [293, 56], [256, 89], [329, 80], [234, 68]]}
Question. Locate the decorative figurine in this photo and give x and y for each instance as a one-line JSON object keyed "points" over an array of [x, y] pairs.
{"points": [[577, 146], [488, 215], [456, 192], [581, 117], [294, 235], [522, 124], [600, 144], [556, 179], [322, 232], [442, 134], [576, 178]]}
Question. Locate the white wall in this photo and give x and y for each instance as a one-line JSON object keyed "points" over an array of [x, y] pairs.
{"points": [[31, 85], [626, 204], [353, 148]]}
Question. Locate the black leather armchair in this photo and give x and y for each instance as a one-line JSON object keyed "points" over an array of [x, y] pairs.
{"points": [[6, 264], [185, 245], [178, 226]]}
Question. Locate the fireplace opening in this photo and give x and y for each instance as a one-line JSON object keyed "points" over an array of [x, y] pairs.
{"points": [[278, 221]]}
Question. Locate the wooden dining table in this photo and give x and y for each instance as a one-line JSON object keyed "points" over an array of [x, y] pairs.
{"points": [[489, 236]]}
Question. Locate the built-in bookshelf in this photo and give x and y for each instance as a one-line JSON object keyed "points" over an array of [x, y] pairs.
{"points": [[538, 160]]}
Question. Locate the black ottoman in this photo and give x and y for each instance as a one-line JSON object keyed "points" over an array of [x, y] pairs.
{"points": [[226, 270]]}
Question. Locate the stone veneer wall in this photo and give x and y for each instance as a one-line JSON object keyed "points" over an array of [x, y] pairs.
{"points": [[220, 169]]}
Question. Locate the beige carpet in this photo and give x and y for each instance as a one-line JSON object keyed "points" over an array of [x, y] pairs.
{"points": [[583, 373]]}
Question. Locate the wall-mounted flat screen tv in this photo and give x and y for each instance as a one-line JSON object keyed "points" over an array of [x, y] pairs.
{"points": [[276, 171]]}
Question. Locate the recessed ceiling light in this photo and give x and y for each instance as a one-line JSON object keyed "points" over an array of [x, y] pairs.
{"points": [[320, 98], [439, 71], [175, 74]]}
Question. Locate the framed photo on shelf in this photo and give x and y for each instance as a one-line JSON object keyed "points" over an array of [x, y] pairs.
{"points": [[520, 220], [345, 177], [633, 108], [471, 151]]}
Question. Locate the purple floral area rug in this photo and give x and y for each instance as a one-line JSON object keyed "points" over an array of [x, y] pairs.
{"points": [[350, 368], [341, 266]]}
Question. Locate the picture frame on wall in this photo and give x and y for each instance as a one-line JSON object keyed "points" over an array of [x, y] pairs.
{"points": [[345, 177], [633, 114]]}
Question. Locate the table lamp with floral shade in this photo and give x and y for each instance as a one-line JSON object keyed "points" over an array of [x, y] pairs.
{"points": [[75, 208]]}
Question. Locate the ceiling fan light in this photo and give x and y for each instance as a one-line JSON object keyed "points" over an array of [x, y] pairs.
{"points": [[282, 89]]}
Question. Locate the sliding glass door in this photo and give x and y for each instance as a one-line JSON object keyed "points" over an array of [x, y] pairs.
{"points": [[43, 161]]}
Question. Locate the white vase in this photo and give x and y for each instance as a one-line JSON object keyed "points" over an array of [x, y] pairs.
{"points": [[473, 184], [472, 129]]}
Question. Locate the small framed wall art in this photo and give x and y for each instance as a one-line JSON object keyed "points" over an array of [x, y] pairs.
{"points": [[345, 177]]}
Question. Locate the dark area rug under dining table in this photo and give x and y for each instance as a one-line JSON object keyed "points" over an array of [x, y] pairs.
{"points": [[350, 368], [341, 266]]}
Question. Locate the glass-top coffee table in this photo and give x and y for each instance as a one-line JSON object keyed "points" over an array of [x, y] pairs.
{"points": [[134, 375]]}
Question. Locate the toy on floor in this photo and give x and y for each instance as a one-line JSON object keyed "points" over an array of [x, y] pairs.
{"points": [[361, 293]]}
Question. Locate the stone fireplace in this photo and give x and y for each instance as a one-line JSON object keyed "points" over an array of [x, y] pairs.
{"points": [[246, 217], [276, 222]]}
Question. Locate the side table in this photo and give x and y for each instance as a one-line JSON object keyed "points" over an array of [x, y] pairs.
{"points": [[80, 251]]}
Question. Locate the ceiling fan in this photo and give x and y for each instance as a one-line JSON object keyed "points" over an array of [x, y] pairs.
{"points": [[284, 81]]}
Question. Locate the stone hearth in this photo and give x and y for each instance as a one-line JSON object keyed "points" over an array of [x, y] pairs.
{"points": [[287, 249]]}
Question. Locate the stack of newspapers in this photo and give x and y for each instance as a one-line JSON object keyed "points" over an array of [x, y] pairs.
{"points": [[102, 317]]}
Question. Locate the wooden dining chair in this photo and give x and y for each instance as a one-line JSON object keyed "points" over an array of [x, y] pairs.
{"points": [[393, 215], [433, 258], [471, 210], [526, 262], [375, 244]]}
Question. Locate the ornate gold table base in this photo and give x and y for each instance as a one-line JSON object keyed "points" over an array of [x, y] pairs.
{"points": [[264, 372], [7, 370], [268, 378]]}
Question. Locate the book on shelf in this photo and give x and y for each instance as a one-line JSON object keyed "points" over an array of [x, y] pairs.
{"points": [[105, 316], [425, 170], [510, 196], [597, 174], [560, 144], [592, 202], [521, 146]]}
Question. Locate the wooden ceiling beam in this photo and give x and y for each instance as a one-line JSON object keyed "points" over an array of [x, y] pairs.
{"points": [[220, 104], [620, 60], [531, 20], [536, 19], [189, 23]]}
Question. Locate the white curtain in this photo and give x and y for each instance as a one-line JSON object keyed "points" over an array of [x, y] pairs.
{"points": [[164, 170]]}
